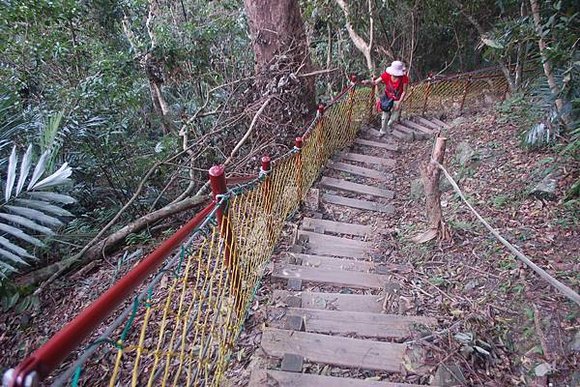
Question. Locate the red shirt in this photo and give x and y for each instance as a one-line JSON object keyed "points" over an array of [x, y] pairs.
{"points": [[393, 90]]}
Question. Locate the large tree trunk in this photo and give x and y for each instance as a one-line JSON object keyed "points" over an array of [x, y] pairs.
{"points": [[279, 41]]}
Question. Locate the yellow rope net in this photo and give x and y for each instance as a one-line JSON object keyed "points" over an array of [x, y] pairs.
{"points": [[183, 331], [453, 94]]}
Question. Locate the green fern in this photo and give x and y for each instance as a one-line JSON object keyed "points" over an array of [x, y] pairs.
{"points": [[29, 210]]}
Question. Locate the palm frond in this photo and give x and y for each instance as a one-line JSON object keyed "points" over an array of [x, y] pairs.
{"points": [[27, 213]]}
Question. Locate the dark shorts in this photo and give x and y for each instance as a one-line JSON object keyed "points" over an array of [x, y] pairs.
{"points": [[386, 103]]}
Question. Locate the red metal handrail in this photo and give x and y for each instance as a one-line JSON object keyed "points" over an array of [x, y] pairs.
{"points": [[49, 356]]}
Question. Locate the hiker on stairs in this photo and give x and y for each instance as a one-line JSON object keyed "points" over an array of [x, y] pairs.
{"points": [[396, 82]]}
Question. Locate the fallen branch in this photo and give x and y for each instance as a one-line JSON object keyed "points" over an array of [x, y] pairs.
{"points": [[571, 294], [249, 131], [318, 72]]}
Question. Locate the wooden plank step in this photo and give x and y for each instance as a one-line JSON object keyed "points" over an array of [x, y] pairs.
{"points": [[418, 127], [334, 277], [336, 227], [340, 351], [358, 203], [355, 187], [361, 171], [440, 123], [402, 136], [334, 301], [382, 145], [363, 324], [403, 129], [324, 262], [318, 238], [428, 124], [368, 159], [261, 378]]}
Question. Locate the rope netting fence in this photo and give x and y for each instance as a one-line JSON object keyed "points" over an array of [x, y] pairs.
{"points": [[454, 93], [181, 327], [180, 310]]}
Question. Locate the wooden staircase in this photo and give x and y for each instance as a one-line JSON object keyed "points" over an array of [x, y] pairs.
{"points": [[415, 128], [334, 310]]}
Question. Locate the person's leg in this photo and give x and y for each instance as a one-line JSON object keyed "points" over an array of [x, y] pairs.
{"points": [[394, 118], [384, 122]]}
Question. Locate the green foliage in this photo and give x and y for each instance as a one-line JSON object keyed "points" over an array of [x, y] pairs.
{"points": [[29, 208]]}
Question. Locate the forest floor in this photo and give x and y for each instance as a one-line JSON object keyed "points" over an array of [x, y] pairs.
{"points": [[505, 326], [517, 330]]}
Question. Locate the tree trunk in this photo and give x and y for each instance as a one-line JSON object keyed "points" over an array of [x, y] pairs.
{"points": [[430, 175], [279, 39], [364, 47], [547, 64]]}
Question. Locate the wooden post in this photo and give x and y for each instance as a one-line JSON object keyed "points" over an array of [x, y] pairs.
{"points": [[430, 174]]}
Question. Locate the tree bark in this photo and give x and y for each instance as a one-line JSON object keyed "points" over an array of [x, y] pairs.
{"points": [[430, 175], [364, 47], [277, 29], [547, 64]]}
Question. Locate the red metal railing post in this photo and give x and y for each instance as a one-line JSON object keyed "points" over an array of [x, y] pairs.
{"points": [[265, 168], [320, 138], [49, 356], [427, 92], [217, 178], [353, 80], [467, 84], [299, 171]]}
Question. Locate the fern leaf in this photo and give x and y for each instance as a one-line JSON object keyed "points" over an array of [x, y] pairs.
{"points": [[21, 235], [43, 206], [38, 170], [59, 177], [36, 215], [24, 169], [53, 197], [16, 249], [13, 257], [11, 177], [26, 223]]}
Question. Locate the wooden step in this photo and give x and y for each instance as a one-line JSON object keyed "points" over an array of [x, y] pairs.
{"points": [[333, 277], [340, 247], [428, 124], [361, 171], [325, 262], [356, 188], [402, 136], [335, 227], [318, 238], [340, 351], [410, 133], [358, 203], [367, 159], [417, 127], [440, 123], [382, 145], [362, 324], [261, 378], [333, 301]]}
